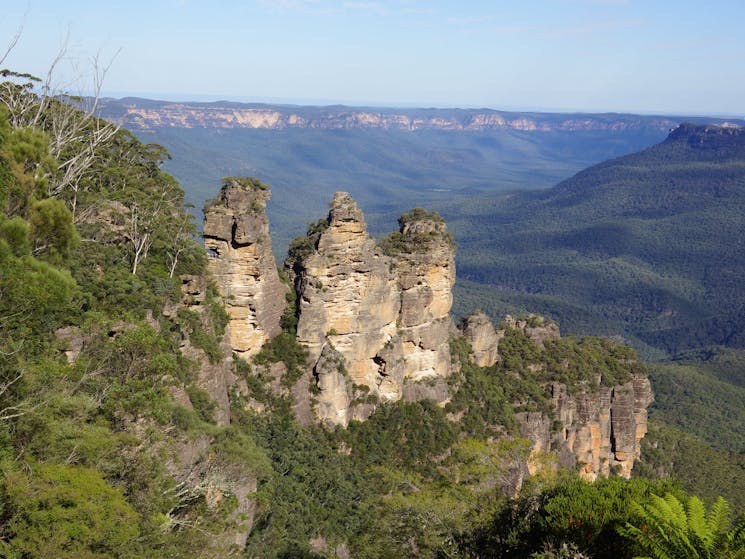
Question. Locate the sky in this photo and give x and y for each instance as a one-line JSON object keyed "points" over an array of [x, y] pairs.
{"points": [[641, 56]]}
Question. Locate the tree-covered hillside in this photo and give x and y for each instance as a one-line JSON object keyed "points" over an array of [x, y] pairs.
{"points": [[111, 445], [387, 171], [648, 246]]}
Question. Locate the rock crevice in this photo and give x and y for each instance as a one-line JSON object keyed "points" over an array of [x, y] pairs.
{"points": [[384, 308], [236, 237]]}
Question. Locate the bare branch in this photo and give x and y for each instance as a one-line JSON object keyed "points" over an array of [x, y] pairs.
{"points": [[13, 43]]}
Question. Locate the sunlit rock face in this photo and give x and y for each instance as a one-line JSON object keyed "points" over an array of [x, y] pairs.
{"points": [[236, 237], [602, 430], [598, 430], [483, 338], [383, 309]]}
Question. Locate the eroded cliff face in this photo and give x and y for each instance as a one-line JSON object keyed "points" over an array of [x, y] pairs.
{"points": [[383, 312], [236, 236], [150, 115], [598, 428]]}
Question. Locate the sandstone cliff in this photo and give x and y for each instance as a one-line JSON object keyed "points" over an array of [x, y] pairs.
{"points": [[236, 236], [595, 426], [141, 114], [600, 430], [384, 311]]}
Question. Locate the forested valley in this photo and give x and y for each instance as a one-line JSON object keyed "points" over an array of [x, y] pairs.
{"points": [[111, 445]]}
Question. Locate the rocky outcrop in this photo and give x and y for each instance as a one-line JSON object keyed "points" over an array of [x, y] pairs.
{"points": [[483, 338], [347, 297], [148, 115], [236, 236], [424, 265], [599, 430], [383, 310], [597, 427]]}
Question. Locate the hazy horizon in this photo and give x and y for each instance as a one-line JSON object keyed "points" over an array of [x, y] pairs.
{"points": [[625, 56], [301, 102]]}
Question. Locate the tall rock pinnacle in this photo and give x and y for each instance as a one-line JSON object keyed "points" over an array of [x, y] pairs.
{"points": [[236, 236], [383, 310]]}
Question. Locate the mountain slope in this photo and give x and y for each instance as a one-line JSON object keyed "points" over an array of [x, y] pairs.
{"points": [[651, 243], [388, 159]]}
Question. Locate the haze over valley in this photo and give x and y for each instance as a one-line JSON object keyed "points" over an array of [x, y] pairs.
{"points": [[482, 299]]}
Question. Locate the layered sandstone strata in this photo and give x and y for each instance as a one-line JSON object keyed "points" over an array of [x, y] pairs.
{"points": [[384, 310], [601, 431], [236, 237]]}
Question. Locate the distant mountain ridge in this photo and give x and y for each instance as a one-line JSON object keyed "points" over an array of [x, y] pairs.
{"points": [[145, 114], [650, 245]]}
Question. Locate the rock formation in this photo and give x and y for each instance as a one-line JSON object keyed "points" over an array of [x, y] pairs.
{"points": [[600, 428], [374, 317], [483, 339], [536, 327], [424, 264], [383, 310], [236, 236]]}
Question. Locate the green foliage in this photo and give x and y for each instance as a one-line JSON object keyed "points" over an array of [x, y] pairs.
{"points": [[315, 490], [236, 452], [419, 214], [690, 398], [35, 296], [284, 348], [248, 183], [573, 512], [415, 240], [209, 342], [481, 398], [666, 529], [289, 318], [414, 521], [385, 437], [303, 246], [16, 232], [668, 452], [204, 406], [66, 512], [53, 230]]}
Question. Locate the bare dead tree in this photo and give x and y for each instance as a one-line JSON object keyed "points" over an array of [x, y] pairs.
{"points": [[179, 241], [12, 44], [76, 134]]}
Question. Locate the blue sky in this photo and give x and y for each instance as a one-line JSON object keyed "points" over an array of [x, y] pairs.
{"points": [[650, 56]]}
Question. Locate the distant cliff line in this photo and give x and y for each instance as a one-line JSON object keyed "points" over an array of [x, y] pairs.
{"points": [[144, 114]]}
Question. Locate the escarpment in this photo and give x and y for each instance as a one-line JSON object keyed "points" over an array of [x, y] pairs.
{"points": [[374, 318], [384, 310], [236, 236], [595, 419]]}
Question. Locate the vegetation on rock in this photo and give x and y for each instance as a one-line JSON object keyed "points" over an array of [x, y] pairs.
{"points": [[113, 444]]}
